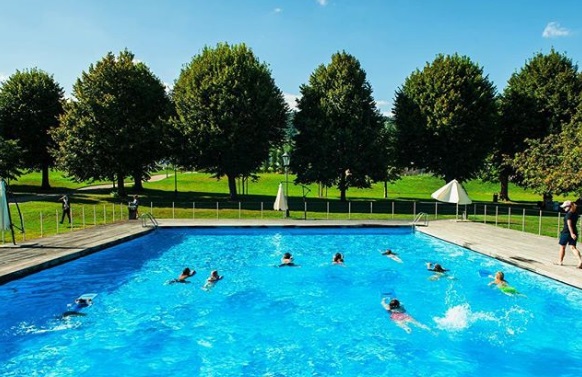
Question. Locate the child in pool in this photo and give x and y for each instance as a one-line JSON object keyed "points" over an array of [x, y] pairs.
{"points": [[399, 315], [392, 255], [438, 270], [186, 273], [500, 282], [212, 279], [338, 258]]}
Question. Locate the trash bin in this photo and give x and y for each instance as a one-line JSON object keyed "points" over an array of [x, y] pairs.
{"points": [[132, 212], [495, 198]]}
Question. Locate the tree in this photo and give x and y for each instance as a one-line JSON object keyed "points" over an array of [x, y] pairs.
{"points": [[538, 100], [30, 104], [10, 158], [445, 118], [340, 132], [553, 165], [229, 111], [115, 125]]}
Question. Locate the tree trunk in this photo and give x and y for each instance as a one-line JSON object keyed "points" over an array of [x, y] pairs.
{"points": [[45, 178], [120, 186], [137, 182], [504, 186], [232, 187]]}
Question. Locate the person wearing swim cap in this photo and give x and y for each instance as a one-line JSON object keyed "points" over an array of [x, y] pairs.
{"points": [[438, 270], [399, 315], [569, 234], [212, 279]]}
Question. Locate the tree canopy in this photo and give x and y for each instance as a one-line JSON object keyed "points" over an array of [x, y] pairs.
{"points": [[445, 118], [30, 105], [229, 111], [538, 100], [341, 134], [115, 125], [10, 159]]}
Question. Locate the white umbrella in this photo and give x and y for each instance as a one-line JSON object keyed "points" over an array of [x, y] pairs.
{"points": [[280, 200], [452, 192]]}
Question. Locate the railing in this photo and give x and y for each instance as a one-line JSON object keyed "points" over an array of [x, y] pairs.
{"points": [[148, 218], [526, 218], [421, 219]]}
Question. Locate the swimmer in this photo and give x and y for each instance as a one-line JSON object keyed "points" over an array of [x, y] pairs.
{"points": [[80, 303], [186, 273], [438, 270], [500, 282], [392, 255], [212, 279], [338, 258], [399, 315], [287, 261]]}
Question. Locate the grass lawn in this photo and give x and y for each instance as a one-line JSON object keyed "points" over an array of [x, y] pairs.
{"points": [[198, 196]]}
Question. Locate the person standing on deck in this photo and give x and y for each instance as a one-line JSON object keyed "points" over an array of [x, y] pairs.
{"points": [[569, 234]]}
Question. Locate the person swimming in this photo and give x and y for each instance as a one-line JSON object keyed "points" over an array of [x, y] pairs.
{"points": [[399, 315], [392, 255], [186, 273], [79, 304], [500, 282], [438, 270], [212, 279], [287, 261], [338, 258]]}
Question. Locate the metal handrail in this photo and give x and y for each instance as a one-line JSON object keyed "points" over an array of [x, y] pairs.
{"points": [[148, 216], [421, 219]]}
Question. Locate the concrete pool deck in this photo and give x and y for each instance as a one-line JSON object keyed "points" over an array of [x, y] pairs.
{"points": [[528, 251]]}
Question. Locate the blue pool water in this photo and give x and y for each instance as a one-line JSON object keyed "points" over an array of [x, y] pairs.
{"points": [[316, 320]]}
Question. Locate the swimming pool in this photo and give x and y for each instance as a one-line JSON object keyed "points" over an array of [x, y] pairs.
{"points": [[319, 319]]}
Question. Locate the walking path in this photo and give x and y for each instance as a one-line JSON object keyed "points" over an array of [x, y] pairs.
{"points": [[531, 252]]}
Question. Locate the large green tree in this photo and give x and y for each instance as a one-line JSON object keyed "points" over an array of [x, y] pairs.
{"points": [[340, 132], [30, 105], [538, 100], [229, 111], [445, 118], [115, 126]]}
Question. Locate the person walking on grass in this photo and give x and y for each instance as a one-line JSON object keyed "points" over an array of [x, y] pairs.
{"points": [[569, 234], [66, 208]]}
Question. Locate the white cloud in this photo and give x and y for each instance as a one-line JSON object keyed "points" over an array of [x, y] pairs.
{"points": [[278, 10], [168, 87], [554, 30], [3, 77], [290, 99], [382, 103], [322, 2]]}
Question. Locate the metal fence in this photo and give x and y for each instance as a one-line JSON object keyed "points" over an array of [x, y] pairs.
{"points": [[522, 218]]}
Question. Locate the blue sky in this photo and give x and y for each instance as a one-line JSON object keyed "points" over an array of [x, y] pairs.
{"points": [[390, 38]]}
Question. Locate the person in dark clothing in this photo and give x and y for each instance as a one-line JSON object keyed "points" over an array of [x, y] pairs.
{"points": [[569, 234], [66, 208]]}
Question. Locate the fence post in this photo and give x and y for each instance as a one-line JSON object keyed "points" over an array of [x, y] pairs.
{"points": [[94, 215], [40, 226], [414, 210], [509, 218], [392, 209], [113, 213], [485, 214], [83, 211], [104, 214], [496, 214], [559, 218], [152, 208], [305, 210], [349, 210], [327, 210], [436, 210], [193, 210], [540, 224], [523, 221], [57, 220], [217, 210], [173, 211], [371, 208], [262, 209], [239, 210]]}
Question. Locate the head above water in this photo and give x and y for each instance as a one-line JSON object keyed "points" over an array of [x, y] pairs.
{"points": [[338, 256], [186, 271], [287, 255], [394, 304], [499, 275], [438, 268]]}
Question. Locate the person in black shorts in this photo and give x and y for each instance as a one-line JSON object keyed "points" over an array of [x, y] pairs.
{"points": [[569, 234]]}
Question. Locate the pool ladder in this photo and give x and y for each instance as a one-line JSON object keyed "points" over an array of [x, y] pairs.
{"points": [[149, 218], [420, 219]]}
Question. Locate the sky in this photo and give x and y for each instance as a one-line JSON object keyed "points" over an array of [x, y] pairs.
{"points": [[390, 38]]}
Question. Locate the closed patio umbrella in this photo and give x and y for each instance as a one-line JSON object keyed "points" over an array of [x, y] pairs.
{"points": [[280, 200]]}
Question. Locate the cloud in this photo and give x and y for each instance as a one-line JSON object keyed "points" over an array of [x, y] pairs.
{"points": [[3, 77], [322, 2], [278, 10], [290, 99], [382, 103], [555, 30]]}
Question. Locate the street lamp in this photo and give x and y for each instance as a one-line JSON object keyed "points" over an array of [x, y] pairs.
{"points": [[286, 159]]}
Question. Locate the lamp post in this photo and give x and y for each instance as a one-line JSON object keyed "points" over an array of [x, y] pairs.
{"points": [[286, 159]]}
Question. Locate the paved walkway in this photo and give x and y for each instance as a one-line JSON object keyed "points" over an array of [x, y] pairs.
{"points": [[531, 252]]}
